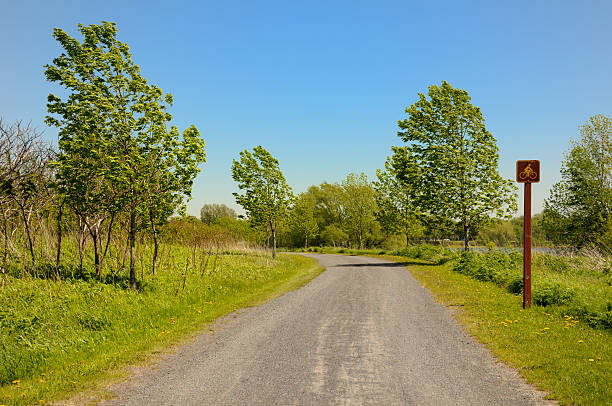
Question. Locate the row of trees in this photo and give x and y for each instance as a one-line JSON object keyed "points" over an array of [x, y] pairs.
{"points": [[120, 167], [442, 184], [446, 175]]}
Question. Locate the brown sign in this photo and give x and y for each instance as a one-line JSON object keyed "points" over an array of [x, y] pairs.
{"points": [[528, 171]]}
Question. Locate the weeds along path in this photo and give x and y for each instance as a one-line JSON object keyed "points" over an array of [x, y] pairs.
{"points": [[363, 332]]}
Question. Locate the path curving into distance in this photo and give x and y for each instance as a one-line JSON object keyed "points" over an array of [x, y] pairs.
{"points": [[362, 333]]}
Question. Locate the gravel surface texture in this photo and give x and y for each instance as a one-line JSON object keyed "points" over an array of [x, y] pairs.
{"points": [[362, 333]]}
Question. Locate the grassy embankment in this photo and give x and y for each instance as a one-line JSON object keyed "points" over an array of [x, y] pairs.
{"points": [[563, 344], [60, 338]]}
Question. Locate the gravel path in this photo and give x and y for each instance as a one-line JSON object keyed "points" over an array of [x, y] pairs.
{"points": [[364, 332]]}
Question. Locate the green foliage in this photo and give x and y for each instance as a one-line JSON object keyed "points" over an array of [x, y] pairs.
{"points": [[433, 253], [334, 236], [242, 230], [395, 198], [302, 221], [509, 233], [579, 208], [116, 151], [210, 213], [267, 195], [452, 160], [359, 206], [549, 293]]}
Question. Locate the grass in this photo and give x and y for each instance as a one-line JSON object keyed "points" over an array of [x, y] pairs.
{"points": [[60, 338]]}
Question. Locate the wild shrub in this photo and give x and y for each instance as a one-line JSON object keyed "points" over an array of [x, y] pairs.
{"points": [[551, 293], [433, 253], [601, 318], [494, 266]]}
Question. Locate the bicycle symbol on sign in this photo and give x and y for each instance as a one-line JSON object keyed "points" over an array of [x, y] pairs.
{"points": [[528, 173]]}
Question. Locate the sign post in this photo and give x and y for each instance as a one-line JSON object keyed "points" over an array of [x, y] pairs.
{"points": [[527, 172]]}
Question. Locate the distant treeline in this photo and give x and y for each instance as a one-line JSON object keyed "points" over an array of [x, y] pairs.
{"points": [[403, 205]]}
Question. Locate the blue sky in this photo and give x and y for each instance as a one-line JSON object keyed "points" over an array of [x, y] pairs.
{"points": [[321, 85]]}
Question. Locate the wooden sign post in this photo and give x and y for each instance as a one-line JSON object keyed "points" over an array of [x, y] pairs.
{"points": [[527, 172]]}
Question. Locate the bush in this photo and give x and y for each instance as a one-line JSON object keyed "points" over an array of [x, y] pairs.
{"points": [[551, 293], [493, 266], [516, 286], [601, 319], [436, 254]]}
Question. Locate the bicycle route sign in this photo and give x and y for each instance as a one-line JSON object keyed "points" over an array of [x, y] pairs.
{"points": [[528, 171]]}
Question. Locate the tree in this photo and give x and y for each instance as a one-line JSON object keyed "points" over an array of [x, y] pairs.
{"points": [[334, 235], [25, 178], [328, 205], [579, 208], [395, 197], [455, 159], [116, 152], [210, 213], [267, 195], [359, 208], [301, 219]]}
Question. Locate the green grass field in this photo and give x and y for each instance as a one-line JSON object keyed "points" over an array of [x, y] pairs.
{"points": [[60, 338]]}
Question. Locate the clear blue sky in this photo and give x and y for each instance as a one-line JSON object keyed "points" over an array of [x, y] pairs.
{"points": [[322, 84]]}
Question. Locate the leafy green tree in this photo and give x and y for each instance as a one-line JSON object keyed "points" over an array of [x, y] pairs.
{"points": [[359, 204], [267, 195], [334, 235], [169, 166], [455, 159], [116, 152], [328, 206], [301, 219], [210, 213], [579, 208], [395, 197]]}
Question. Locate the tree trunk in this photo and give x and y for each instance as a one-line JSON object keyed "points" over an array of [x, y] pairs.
{"points": [[95, 237], [6, 247], [27, 228], [59, 241], [132, 237], [155, 251], [156, 243], [94, 234], [466, 241], [273, 243], [108, 239]]}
